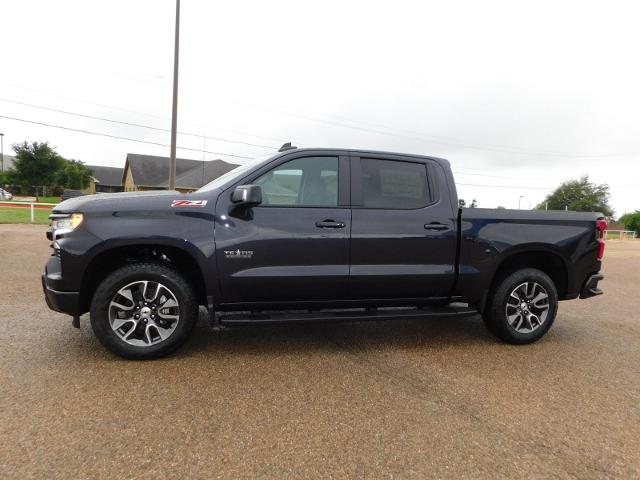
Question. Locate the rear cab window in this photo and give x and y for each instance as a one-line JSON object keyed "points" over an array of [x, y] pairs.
{"points": [[394, 184]]}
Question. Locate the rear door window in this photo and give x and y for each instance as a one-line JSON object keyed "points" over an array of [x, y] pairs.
{"points": [[392, 184]]}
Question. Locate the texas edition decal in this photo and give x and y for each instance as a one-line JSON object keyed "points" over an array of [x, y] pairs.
{"points": [[188, 203]]}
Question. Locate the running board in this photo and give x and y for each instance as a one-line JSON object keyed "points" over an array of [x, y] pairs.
{"points": [[353, 315]]}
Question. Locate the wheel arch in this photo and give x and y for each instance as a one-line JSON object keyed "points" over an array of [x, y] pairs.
{"points": [[545, 260], [111, 258]]}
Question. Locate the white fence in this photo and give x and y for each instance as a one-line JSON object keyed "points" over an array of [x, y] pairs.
{"points": [[30, 205], [621, 234]]}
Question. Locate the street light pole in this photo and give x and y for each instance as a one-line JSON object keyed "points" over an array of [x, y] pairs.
{"points": [[519, 200], [174, 109]]}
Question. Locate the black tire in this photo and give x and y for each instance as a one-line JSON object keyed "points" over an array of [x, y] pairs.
{"points": [[495, 314], [153, 272]]}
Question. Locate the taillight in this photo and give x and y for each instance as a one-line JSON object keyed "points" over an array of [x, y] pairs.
{"points": [[601, 225]]}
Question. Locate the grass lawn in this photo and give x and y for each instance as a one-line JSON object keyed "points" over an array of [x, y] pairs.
{"points": [[23, 215], [49, 199]]}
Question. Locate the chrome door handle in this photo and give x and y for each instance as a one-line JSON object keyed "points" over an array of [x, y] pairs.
{"points": [[329, 224], [436, 226]]}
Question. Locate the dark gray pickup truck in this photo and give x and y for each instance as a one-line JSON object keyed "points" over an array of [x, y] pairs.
{"points": [[313, 234]]}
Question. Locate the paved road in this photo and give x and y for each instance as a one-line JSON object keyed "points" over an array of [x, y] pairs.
{"points": [[405, 399]]}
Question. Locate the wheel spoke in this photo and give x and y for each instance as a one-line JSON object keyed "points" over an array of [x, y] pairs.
{"points": [[147, 334], [534, 318], [170, 302], [538, 298], [126, 293], [513, 318], [161, 331], [131, 332], [117, 323], [527, 319], [520, 321], [155, 291], [120, 306]]}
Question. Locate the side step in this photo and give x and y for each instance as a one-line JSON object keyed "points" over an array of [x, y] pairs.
{"points": [[353, 315]]}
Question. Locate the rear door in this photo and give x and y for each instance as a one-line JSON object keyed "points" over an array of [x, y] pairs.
{"points": [[295, 245], [403, 233]]}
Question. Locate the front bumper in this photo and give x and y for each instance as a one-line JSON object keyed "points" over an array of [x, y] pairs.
{"points": [[64, 302], [590, 288]]}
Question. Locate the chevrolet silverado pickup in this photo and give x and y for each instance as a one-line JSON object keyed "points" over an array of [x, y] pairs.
{"points": [[313, 234]]}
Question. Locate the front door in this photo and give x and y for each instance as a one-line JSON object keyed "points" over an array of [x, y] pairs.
{"points": [[295, 245], [403, 233]]}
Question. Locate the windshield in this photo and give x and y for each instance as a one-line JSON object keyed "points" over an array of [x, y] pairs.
{"points": [[233, 174]]}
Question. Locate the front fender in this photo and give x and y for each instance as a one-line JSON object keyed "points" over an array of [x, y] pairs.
{"points": [[99, 234]]}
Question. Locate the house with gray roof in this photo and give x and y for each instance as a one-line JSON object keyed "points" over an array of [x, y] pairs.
{"points": [[150, 172], [106, 179]]}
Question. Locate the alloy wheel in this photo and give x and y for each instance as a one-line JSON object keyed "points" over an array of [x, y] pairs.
{"points": [[527, 307], [144, 313]]}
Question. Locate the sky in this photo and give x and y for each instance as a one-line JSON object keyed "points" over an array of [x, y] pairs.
{"points": [[518, 95]]}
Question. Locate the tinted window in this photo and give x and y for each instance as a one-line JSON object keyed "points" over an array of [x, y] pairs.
{"points": [[392, 184], [303, 182]]}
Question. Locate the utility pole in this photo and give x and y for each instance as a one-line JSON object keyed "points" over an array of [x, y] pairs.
{"points": [[1, 152], [174, 109]]}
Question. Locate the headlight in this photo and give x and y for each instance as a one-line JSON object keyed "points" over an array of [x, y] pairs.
{"points": [[66, 222]]}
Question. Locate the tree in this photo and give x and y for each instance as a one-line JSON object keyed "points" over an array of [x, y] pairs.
{"points": [[73, 174], [500, 207], [36, 164], [579, 195], [631, 221]]}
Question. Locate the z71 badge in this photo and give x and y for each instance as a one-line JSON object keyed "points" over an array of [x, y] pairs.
{"points": [[188, 203]]}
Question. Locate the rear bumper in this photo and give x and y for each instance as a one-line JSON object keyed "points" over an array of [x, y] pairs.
{"points": [[590, 288], [64, 302]]}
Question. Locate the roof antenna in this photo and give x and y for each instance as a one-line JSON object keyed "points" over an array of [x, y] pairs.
{"points": [[287, 146]]}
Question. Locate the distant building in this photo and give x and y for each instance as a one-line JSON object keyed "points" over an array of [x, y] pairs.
{"points": [[7, 163], [105, 179], [149, 172]]}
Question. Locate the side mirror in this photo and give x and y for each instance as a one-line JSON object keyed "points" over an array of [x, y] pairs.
{"points": [[247, 195]]}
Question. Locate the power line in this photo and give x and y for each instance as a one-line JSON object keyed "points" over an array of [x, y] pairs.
{"points": [[533, 188], [506, 186], [441, 140], [131, 124], [458, 172], [411, 134], [117, 137], [101, 134], [137, 112]]}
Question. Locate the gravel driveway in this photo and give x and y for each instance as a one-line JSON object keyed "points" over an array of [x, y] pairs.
{"points": [[397, 399]]}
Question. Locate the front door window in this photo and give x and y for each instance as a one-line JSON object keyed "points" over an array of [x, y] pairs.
{"points": [[303, 182]]}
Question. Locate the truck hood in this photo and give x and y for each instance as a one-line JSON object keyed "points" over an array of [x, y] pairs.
{"points": [[128, 201]]}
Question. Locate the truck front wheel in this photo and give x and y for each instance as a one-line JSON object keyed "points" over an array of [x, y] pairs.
{"points": [[522, 306], [143, 311]]}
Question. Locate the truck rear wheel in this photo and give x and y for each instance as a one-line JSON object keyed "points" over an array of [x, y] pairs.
{"points": [[143, 311], [522, 306]]}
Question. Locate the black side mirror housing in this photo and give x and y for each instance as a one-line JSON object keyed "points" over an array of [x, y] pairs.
{"points": [[247, 195]]}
